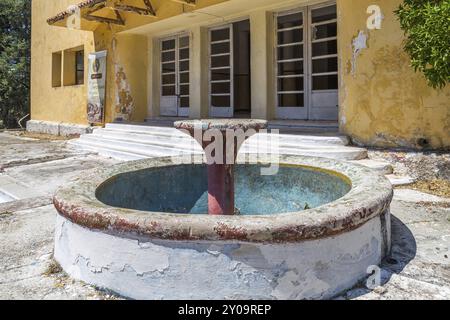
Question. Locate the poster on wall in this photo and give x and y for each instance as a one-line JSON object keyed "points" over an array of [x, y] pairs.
{"points": [[96, 87]]}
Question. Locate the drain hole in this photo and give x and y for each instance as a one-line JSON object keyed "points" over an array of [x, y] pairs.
{"points": [[423, 142], [391, 261]]}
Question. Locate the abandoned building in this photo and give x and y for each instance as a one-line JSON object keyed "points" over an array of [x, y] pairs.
{"points": [[331, 65]]}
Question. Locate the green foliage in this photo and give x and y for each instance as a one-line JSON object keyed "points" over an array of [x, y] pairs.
{"points": [[427, 27], [15, 34]]}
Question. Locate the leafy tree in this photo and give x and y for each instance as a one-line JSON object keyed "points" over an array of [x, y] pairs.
{"points": [[15, 34], [427, 27]]}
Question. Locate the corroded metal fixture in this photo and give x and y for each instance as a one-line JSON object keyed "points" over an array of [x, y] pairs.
{"points": [[233, 133], [141, 229]]}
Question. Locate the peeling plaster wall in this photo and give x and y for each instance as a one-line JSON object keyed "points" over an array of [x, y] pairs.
{"points": [[157, 269], [383, 101]]}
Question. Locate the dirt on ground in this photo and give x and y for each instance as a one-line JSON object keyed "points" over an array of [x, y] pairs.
{"points": [[437, 187], [430, 170], [39, 136]]}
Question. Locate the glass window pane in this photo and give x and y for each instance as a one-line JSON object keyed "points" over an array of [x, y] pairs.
{"points": [[184, 54], [325, 65], [185, 102], [325, 82], [80, 60], [325, 31], [168, 91], [223, 74], [290, 21], [168, 45], [80, 77], [184, 42], [219, 48], [184, 66], [184, 90], [220, 35], [220, 61], [290, 68], [168, 79], [221, 101], [291, 52], [291, 100], [324, 48], [324, 14], [184, 77], [168, 67], [220, 87], [290, 84], [291, 36], [168, 56]]}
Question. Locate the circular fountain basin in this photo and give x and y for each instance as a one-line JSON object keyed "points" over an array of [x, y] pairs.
{"points": [[140, 229]]}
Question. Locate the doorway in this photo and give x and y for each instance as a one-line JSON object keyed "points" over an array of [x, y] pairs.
{"points": [[229, 71], [307, 63], [175, 68]]}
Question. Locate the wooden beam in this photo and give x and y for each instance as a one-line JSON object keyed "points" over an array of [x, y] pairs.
{"points": [[149, 6], [191, 3], [133, 9], [119, 17], [88, 16], [103, 20]]}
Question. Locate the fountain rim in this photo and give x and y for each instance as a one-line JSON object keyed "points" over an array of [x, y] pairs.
{"points": [[369, 197]]}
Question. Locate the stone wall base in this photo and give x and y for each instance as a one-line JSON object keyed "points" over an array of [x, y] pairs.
{"points": [[58, 128]]}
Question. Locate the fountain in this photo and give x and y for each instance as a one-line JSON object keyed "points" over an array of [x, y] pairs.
{"points": [[164, 229], [221, 169]]}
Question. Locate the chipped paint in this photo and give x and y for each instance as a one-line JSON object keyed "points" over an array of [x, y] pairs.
{"points": [[145, 268], [124, 103], [359, 43]]}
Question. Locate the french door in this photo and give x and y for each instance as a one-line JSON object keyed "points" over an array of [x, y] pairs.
{"points": [[175, 70], [221, 96], [307, 63]]}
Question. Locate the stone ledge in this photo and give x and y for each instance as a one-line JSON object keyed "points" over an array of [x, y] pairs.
{"points": [[58, 128]]}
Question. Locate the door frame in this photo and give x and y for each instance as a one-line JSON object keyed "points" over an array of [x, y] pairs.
{"points": [[292, 113], [221, 112], [321, 112], [180, 112]]}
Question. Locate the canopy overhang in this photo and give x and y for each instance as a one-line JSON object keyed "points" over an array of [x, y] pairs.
{"points": [[94, 12]]}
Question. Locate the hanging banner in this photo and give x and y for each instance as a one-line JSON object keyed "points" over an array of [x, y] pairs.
{"points": [[96, 87]]}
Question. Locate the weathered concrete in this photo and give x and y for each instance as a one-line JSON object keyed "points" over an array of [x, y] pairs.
{"points": [[311, 254], [369, 197], [58, 128], [163, 269]]}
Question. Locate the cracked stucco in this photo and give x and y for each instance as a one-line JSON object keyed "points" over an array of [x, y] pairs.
{"points": [[165, 269], [124, 103]]}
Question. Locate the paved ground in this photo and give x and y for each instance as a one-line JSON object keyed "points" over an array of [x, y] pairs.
{"points": [[31, 170]]}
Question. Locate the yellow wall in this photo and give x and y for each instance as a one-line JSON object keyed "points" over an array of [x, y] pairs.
{"points": [[385, 103], [60, 104]]}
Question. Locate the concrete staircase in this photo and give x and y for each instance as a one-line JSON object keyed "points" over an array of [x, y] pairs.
{"points": [[132, 142]]}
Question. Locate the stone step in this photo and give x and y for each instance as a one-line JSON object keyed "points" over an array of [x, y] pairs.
{"points": [[148, 150], [400, 180], [383, 167], [106, 152], [187, 142], [164, 133], [131, 142], [146, 139], [151, 148]]}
